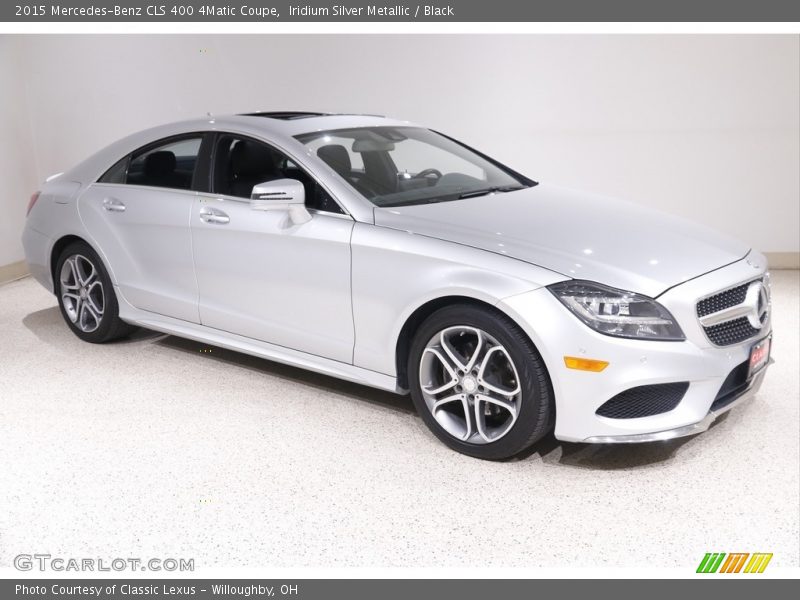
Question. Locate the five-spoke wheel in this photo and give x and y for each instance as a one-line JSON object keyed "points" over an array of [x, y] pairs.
{"points": [[82, 293], [86, 296], [479, 383], [470, 384]]}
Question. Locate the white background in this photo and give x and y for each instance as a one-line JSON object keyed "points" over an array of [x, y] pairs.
{"points": [[704, 126]]}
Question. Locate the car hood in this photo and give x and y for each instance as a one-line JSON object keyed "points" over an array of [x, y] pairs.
{"points": [[581, 236]]}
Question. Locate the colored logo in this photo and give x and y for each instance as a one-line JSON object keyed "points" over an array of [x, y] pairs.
{"points": [[736, 562]]}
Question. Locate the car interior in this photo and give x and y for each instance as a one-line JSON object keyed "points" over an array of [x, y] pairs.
{"points": [[378, 177], [393, 166]]}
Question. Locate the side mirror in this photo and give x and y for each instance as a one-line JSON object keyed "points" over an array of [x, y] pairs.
{"points": [[281, 194]]}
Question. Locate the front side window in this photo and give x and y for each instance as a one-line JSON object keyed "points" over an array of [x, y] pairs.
{"points": [[170, 164], [396, 166], [241, 163]]}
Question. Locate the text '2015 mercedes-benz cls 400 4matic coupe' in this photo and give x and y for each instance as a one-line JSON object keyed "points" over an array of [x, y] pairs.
{"points": [[381, 252]]}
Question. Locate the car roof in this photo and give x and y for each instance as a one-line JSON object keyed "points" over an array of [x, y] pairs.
{"points": [[293, 123]]}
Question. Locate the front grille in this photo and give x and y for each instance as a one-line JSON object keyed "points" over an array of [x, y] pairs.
{"points": [[733, 301], [731, 332], [644, 401], [723, 300], [733, 386]]}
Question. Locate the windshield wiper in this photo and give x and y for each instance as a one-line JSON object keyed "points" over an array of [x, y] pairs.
{"points": [[490, 190], [450, 197]]}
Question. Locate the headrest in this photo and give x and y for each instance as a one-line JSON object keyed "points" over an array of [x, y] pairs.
{"points": [[337, 158], [250, 159], [159, 163]]}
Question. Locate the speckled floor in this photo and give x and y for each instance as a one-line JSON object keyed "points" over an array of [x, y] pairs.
{"points": [[150, 447]]}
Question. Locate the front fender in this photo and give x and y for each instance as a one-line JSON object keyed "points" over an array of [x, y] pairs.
{"points": [[394, 273]]}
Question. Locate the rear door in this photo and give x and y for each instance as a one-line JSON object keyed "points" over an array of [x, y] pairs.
{"points": [[139, 214]]}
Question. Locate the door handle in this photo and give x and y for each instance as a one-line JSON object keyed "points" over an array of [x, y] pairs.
{"points": [[113, 205], [213, 215]]}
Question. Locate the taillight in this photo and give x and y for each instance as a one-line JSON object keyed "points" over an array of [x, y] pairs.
{"points": [[32, 201]]}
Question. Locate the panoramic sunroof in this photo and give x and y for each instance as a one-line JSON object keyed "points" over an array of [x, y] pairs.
{"points": [[285, 115]]}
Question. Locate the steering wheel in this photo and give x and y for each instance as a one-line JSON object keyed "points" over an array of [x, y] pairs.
{"points": [[426, 172]]}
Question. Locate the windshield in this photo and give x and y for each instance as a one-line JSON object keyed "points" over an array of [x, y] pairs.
{"points": [[396, 166]]}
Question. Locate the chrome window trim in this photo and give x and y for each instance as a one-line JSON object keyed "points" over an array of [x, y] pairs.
{"points": [[227, 198], [145, 187]]}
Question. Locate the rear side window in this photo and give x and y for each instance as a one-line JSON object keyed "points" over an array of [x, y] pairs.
{"points": [[167, 164]]}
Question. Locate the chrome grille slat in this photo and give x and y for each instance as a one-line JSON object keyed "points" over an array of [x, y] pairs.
{"points": [[733, 315]]}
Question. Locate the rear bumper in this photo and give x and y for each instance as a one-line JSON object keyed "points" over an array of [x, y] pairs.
{"points": [[37, 248], [686, 430]]}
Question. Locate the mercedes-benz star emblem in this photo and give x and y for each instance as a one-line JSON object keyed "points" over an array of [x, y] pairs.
{"points": [[757, 299]]}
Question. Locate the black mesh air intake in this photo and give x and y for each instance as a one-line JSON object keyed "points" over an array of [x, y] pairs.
{"points": [[644, 401]]}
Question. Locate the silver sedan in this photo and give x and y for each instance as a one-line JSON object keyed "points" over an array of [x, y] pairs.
{"points": [[385, 253]]}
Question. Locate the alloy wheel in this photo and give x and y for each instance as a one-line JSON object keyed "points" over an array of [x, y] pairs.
{"points": [[470, 384], [82, 293]]}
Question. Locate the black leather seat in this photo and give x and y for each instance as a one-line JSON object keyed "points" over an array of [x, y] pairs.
{"points": [[338, 159], [159, 170], [374, 180], [250, 164]]}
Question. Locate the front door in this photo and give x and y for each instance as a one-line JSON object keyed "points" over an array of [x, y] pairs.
{"points": [[262, 276]]}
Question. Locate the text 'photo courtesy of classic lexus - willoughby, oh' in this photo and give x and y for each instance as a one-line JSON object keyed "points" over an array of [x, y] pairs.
{"points": [[381, 252]]}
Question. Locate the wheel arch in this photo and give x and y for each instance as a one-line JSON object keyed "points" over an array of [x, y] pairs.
{"points": [[65, 240], [422, 312], [58, 248]]}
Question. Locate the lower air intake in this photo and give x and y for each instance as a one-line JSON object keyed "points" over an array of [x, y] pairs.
{"points": [[644, 401], [735, 383]]}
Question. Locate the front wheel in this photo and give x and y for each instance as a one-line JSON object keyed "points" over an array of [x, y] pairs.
{"points": [[86, 296], [478, 382]]}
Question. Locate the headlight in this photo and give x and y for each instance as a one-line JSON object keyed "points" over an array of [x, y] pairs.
{"points": [[617, 312]]}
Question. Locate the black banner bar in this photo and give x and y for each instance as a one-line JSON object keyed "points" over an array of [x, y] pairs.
{"points": [[361, 11]]}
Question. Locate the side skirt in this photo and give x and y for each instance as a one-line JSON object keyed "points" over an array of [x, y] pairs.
{"points": [[238, 343]]}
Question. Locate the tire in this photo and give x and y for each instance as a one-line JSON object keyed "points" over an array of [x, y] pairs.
{"points": [[86, 296], [507, 375]]}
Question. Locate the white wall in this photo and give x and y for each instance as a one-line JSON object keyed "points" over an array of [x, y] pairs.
{"points": [[18, 173], [702, 126]]}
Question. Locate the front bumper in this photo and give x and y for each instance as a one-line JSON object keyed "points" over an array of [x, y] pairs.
{"points": [[633, 363], [685, 430]]}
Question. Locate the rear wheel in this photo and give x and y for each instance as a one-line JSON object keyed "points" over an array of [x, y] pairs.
{"points": [[86, 296], [478, 382]]}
